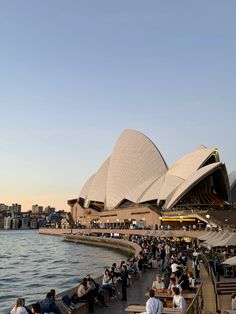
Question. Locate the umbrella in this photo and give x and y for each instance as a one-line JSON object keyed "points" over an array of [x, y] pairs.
{"points": [[168, 234], [218, 238], [206, 235], [230, 241], [230, 261]]}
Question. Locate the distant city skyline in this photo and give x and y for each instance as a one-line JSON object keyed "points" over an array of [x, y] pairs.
{"points": [[75, 74]]}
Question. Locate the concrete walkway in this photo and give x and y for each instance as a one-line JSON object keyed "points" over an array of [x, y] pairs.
{"points": [[135, 295], [207, 292]]}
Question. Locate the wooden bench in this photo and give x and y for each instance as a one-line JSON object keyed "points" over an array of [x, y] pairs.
{"points": [[137, 308]]}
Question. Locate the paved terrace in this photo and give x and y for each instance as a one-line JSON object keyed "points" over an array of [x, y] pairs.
{"points": [[136, 294]]}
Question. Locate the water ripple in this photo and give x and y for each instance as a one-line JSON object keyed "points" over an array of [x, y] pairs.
{"points": [[32, 264]]}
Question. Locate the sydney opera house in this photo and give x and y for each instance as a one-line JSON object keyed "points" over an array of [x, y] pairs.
{"points": [[134, 185]]}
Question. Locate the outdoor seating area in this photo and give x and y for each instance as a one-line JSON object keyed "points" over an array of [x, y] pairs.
{"points": [[137, 308]]}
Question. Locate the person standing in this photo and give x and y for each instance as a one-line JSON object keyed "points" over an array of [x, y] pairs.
{"points": [[124, 278], [196, 265]]}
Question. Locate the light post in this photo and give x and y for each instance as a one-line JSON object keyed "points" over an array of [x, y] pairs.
{"points": [[208, 219]]}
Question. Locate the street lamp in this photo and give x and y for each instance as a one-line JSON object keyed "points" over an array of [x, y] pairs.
{"points": [[208, 218]]}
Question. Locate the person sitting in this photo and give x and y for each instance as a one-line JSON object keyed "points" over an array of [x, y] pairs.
{"points": [[173, 284], [85, 294], [19, 307], [48, 304], [93, 288], [36, 308], [153, 305], [106, 283], [158, 284], [178, 300], [115, 270]]}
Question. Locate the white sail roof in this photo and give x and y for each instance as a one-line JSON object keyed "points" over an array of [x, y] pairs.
{"points": [[133, 161], [190, 182]]}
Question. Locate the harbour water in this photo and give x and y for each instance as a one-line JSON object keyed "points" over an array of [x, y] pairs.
{"points": [[31, 264]]}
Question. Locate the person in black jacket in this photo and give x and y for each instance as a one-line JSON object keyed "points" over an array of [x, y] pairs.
{"points": [[124, 278]]}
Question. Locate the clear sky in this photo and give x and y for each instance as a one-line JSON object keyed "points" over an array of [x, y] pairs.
{"points": [[74, 74]]}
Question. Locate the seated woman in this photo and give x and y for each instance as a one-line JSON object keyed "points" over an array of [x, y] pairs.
{"points": [[93, 288], [19, 307], [106, 283], [84, 293], [158, 284], [36, 309], [173, 284], [48, 304], [178, 300]]}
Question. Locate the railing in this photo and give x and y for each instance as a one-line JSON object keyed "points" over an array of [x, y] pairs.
{"points": [[212, 277], [196, 306]]}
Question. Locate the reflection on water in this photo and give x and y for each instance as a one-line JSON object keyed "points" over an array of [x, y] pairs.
{"points": [[31, 264]]}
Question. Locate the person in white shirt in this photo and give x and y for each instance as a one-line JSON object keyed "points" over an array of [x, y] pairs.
{"points": [[19, 307], [153, 305], [158, 284], [174, 266], [233, 301], [191, 280], [178, 300]]}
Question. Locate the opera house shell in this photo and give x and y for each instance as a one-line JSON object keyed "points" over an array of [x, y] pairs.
{"points": [[136, 174], [232, 182]]}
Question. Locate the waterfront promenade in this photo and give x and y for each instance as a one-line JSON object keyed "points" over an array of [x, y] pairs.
{"points": [[136, 293]]}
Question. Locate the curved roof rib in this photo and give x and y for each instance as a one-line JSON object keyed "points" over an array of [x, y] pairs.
{"points": [[97, 188], [232, 179], [85, 188], [134, 160], [190, 162], [191, 181]]}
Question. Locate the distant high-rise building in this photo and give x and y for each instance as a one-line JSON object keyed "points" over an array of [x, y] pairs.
{"points": [[3, 207], [49, 210], [7, 223], [15, 208], [37, 209]]}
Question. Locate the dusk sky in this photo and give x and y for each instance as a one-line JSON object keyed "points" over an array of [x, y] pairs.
{"points": [[75, 74]]}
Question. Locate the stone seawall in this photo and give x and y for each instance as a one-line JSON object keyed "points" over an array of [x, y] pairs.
{"points": [[122, 245], [118, 244]]}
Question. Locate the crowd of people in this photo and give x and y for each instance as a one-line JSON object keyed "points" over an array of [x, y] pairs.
{"points": [[47, 305], [178, 266], [114, 283], [174, 272]]}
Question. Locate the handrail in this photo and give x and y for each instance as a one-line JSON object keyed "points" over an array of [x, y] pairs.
{"points": [[196, 306], [212, 276]]}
